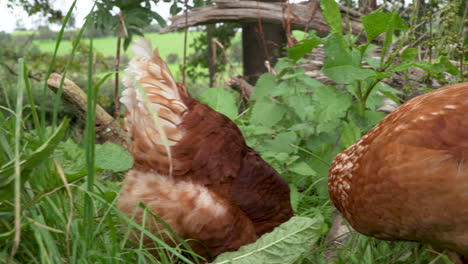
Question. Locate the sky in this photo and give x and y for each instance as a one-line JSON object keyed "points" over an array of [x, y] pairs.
{"points": [[9, 17]]}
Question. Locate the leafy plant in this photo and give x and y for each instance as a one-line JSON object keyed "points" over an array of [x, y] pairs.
{"points": [[283, 245], [299, 124]]}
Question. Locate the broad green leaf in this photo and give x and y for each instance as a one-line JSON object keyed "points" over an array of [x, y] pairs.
{"points": [[331, 103], [378, 22], [221, 101], [113, 157], [441, 64], [302, 168], [445, 65], [389, 92], [295, 197], [40, 154], [328, 126], [374, 100], [284, 245], [337, 52], [283, 88], [350, 134], [71, 158], [264, 86], [332, 15], [347, 74], [409, 54], [373, 118], [159, 18], [304, 47], [27, 163], [108, 156], [266, 112], [299, 104], [258, 130], [283, 64], [282, 142]]}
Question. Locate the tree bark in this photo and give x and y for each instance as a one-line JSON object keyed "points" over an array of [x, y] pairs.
{"points": [[261, 42], [301, 16]]}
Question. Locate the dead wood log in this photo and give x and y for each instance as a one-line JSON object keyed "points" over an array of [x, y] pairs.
{"points": [[107, 128], [306, 15]]}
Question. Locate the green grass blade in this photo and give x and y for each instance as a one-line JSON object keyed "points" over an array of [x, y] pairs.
{"points": [[17, 173], [58, 96], [35, 116], [52, 63], [89, 145]]}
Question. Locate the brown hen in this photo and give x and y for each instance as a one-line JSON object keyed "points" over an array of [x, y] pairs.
{"points": [[407, 178], [192, 166]]}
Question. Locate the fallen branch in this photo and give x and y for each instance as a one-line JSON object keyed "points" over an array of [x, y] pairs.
{"points": [[299, 15], [107, 128]]}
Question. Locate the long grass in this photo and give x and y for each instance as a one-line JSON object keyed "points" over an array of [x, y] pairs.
{"points": [[55, 218]]}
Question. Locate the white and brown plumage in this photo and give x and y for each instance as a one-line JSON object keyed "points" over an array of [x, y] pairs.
{"points": [[407, 178], [205, 182]]}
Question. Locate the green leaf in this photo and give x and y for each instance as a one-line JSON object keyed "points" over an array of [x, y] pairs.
{"points": [[282, 142], [159, 18], [304, 47], [441, 64], [378, 22], [332, 15], [264, 86], [373, 118], [113, 157], [221, 101], [331, 103], [266, 112], [302, 168], [337, 52], [71, 157], [295, 197], [284, 245], [444, 64], [29, 162], [389, 92], [347, 74], [299, 104], [409, 54], [350, 134], [40, 154]]}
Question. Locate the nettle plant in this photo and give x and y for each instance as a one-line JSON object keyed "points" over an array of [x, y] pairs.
{"points": [[299, 124]]}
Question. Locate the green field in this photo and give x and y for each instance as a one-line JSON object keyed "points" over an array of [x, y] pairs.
{"points": [[166, 43]]}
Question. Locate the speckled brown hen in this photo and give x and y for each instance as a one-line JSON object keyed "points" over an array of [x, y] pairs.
{"points": [[407, 179], [205, 182]]}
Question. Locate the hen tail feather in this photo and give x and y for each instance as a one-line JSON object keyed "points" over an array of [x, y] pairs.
{"points": [[154, 105]]}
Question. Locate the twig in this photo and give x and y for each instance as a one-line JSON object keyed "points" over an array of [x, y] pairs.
{"points": [[225, 56], [30, 75], [239, 84], [312, 16], [262, 36], [287, 25]]}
